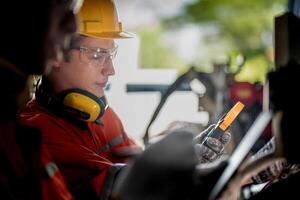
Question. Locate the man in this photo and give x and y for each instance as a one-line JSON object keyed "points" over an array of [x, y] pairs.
{"points": [[85, 137], [26, 168]]}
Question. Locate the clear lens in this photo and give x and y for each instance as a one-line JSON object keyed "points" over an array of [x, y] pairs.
{"points": [[97, 56]]}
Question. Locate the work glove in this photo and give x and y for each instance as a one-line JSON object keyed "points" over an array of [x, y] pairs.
{"points": [[209, 151], [167, 170], [213, 148]]}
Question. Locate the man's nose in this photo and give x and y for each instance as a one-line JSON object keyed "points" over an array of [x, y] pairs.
{"points": [[109, 68]]}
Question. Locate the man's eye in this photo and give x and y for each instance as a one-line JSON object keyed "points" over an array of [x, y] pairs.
{"points": [[95, 56], [98, 56]]}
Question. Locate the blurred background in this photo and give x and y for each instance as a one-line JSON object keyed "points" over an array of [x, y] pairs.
{"points": [[229, 42]]}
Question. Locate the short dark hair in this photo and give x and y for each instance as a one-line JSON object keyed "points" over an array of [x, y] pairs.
{"points": [[75, 43], [76, 40]]}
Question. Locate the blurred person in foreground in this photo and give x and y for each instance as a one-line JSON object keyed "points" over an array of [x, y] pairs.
{"points": [[38, 33]]}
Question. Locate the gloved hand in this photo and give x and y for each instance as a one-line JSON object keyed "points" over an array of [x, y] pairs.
{"points": [[167, 170], [213, 148]]}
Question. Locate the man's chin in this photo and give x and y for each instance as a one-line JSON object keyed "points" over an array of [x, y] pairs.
{"points": [[99, 94]]}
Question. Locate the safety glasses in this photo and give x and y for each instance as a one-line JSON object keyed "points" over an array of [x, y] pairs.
{"points": [[96, 56]]}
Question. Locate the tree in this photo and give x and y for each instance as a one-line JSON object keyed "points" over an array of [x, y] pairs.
{"points": [[156, 54], [247, 26]]}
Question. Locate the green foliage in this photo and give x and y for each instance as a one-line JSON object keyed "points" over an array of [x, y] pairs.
{"points": [[245, 25], [254, 70], [154, 52]]}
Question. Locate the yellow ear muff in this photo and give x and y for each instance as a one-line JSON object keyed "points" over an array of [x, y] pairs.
{"points": [[84, 105]]}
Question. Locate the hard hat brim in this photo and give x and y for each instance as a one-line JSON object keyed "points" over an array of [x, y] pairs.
{"points": [[110, 35]]}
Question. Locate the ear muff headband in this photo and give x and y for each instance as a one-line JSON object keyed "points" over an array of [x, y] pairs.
{"points": [[83, 104]]}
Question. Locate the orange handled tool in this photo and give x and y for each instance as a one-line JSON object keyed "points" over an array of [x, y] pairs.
{"points": [[225, 121]]}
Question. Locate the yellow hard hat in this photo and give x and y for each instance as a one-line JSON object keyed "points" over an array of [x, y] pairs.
{"points": [[99, 18]]}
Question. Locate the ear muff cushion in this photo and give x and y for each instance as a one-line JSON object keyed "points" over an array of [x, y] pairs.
{"points": [[83, 104]]}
